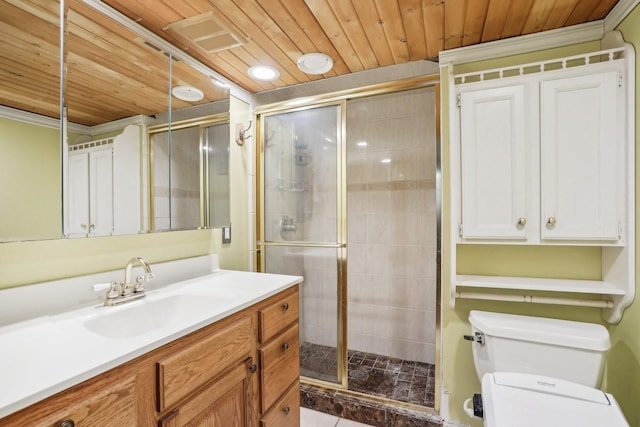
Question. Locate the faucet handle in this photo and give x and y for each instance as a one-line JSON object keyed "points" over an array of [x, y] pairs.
{"points": [[141, 280], [113, 291]]}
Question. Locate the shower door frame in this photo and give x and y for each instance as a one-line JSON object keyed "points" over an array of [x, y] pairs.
{"points": [[341, 225], [340, 99]]}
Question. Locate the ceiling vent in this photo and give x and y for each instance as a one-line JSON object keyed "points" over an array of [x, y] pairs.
{"points": [[209, 31]]}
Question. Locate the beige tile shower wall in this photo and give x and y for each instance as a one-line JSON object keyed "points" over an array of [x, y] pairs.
{"points": [[391, 148]]}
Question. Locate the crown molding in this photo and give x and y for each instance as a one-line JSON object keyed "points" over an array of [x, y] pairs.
{"points": [[52, 123], [524, 44], [618, 13]]}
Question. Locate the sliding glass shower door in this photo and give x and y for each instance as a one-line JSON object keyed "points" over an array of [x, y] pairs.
{"points": [[303, 231]]}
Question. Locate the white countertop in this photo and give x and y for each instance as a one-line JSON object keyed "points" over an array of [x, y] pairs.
{"points": [[45, 355]]}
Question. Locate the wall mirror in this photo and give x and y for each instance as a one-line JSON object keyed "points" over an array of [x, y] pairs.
{"points": [[116, 85], [189, 174]]}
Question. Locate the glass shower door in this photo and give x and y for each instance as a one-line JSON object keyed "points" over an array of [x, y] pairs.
{"points": [[301, 232]]}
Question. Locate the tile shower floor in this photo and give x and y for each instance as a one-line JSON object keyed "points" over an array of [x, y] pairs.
{"points": [[373, 374]]}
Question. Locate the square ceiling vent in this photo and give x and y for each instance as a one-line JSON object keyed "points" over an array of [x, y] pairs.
{"points": [[209, 31]]}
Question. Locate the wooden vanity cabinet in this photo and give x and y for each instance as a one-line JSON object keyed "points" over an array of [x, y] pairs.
{"points": [[280, 361], [241, 371]]}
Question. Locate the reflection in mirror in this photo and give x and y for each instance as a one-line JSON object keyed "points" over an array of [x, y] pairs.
{"points": [[30, 171], [115, 81], [189, 180]]}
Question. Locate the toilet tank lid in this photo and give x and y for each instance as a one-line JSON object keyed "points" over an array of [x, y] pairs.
{"points": [[566, 333]]}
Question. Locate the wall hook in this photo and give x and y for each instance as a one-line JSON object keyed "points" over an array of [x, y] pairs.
{"points": [[241, 133]]}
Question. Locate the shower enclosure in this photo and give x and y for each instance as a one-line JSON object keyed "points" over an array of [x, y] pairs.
{"points": [[348, 200]]}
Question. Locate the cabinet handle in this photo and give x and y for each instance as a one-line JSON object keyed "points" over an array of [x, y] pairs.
{"points": [[83, 226], [551, 221], [253, 368], [285, 346], [286, 410], [66, 423], [285, 306], [522, 220]]}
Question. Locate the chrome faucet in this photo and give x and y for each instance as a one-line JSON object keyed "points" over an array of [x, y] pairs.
{"points": [[119, 293]]}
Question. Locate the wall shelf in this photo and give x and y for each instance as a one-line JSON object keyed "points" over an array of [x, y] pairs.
{"points": [[556, 290]]}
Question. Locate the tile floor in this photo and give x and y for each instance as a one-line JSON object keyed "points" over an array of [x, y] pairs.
{"points": [[310, 418], [401, 380]]}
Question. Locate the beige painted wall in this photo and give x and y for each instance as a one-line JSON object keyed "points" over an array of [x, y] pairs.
{"points": [[30, 174], [459, 379], [623, 367], [37, 261]]}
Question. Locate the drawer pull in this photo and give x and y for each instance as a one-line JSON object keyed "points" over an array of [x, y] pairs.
{"points": [[66, 423], [285, 346], [286, 410], [285, 306]]}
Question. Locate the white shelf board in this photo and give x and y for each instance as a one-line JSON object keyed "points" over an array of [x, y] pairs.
{"points": [[539, 284]]}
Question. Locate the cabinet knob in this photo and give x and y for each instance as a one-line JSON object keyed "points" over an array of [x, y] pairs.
{"points": [[285, 346], [522, 220], [285, 306], [66, 423], [286, 410], [551, 221], [253, 368]]}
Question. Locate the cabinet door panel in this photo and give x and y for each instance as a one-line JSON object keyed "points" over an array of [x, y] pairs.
{"points": [[223, 403], [184, 371], [578, 158], [492, 134], [101, 192], [78, 207]]}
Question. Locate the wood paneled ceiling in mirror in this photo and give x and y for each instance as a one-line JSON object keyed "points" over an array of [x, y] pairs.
{"points": [[358, 34], [111, 73]]}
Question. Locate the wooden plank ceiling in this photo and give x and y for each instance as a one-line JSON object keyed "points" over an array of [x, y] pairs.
{"points": [[112, 74]]}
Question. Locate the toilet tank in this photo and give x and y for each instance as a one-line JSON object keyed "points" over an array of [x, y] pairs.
{"points": [[573, 351]]}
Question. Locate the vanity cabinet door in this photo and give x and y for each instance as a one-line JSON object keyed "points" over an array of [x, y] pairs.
{"points": [[579, 149], [185, 371], [222, 403], [493, 171]]}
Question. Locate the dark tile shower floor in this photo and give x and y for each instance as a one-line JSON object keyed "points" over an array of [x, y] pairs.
{"points": [[373, 374]]}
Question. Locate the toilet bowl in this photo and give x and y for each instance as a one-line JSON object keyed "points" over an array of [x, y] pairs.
{"points": [[541, 372]]}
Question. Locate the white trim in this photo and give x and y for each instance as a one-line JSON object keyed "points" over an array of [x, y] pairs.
{"points": [[156, 40], [574, 34], [27, 117], [50, 122], [618, 13]]}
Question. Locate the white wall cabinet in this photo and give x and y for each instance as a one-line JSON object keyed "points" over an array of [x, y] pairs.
{"points": [[539, 160], [91, 192], [579, 143], [544, 154], [103, 188], [493, 142]]}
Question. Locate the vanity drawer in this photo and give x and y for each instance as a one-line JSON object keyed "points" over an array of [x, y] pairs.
{"points": [[286, 412], [280, 365], [278, 315], [187, 370]]}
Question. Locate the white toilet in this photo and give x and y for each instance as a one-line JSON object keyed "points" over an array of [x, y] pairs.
{"points": [[541, 372]]}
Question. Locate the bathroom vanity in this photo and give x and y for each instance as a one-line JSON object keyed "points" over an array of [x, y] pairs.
{"points": [[222, 346]]}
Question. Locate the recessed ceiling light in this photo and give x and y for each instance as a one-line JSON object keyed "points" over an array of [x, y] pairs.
{"points": [[263, 72], [187, 93], [315, 63]]}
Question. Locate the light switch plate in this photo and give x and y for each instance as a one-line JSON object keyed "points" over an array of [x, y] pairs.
{"points": [[226, 234]]}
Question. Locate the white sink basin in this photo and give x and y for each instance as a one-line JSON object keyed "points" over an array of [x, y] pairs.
{"points": [[143, 316]]}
